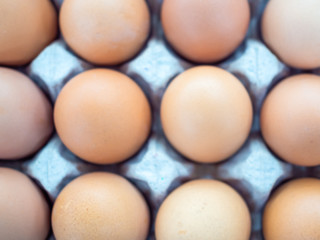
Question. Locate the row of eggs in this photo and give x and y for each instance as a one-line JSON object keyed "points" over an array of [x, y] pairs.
{"points": [[103, 205], [104, 117], [112, 32]]}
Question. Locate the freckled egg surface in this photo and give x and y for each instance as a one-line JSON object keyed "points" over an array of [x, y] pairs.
{"points": [[26, 28], [100, 206], [25, 115], [105, 32], [291, 29], [203, 210], [206, 114], [205, 30], [102, 116], [24, 210], [290, 119], [293, 211]]}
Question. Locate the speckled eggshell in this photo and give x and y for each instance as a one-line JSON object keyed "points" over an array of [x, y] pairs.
{"points": [[26, 28], [25, 115], [203, 210], [24, 210], [291, 29], [293, 211], [102, 116], [290, 118], [206, 114], [105, 32], [205, 30], [100, 206]]}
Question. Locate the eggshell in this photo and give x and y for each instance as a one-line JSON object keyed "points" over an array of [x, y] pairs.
{"points": [[26, 28], [203, 210], [290, 119], [24, 210], [100, 206], [25, 115], [291, 29], [102, 116], [105, 31], [206, 114], [293, 211], [205, 31]]}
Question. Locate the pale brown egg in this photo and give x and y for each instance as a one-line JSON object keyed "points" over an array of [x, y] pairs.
{"points": [[100, 206], [102, 116], [205, 31], [206, 114], [290, 119], [293, 211], [291, 29], [26, 28], [24, 210], [105, 32], [203, 210], [25, 115]]}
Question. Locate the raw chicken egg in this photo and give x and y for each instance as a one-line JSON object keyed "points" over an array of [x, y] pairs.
{"points": [[102, 116], [293, 211], [105, 32], [291, 29], [206, 114], [100, 206], [290, 118], [24, 210], [203, 210], [25, 115], [26, 28], [205, 31]]}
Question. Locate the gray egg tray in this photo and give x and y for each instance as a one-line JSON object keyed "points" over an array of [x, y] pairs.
{"points": [[157, 168]]}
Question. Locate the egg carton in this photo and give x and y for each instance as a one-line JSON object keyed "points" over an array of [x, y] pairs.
{"points": [[157, 169]]}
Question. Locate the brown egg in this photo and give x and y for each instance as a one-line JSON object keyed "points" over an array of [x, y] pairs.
{"points": [[290, 119], [291, 29], [102, 116], [24, 210], [105, 31], [26, 28], [100, 206], [206, 114], [203, 210], [293, 211], [25, 115], [205, 31]]}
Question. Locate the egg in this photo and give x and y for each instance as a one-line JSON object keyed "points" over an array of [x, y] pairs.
{"points": [[290, 118], [105, 32], [24, 209], [293, 211], [100, 206], [206, 114], [26, 28], [25, 115], [203, 209], [102, 116], [291, 29], [205, 31]]}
